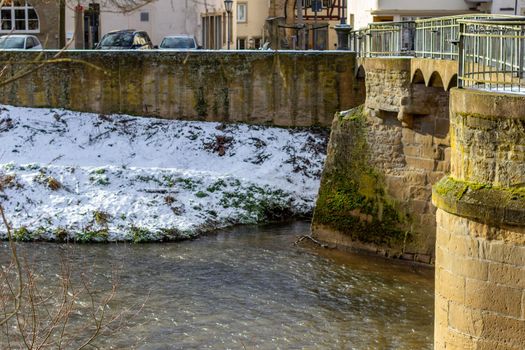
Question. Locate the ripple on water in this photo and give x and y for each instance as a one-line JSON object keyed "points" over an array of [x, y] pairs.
{"points": [[250, 287]]}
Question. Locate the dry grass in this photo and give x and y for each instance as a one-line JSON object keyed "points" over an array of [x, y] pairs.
{"points": [[8, 181], [169, 200], [53, 184]]}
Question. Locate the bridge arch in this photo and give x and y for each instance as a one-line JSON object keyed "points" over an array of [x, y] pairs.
{"points": [[453, 82], [434, 73], [360, 84], [435, 80], [418, 77], [360, 73]]}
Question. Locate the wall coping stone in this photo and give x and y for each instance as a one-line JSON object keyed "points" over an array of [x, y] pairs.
{"points": [[487, 104], [489, 205]]}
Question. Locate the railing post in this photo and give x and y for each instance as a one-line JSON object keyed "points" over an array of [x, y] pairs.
{"points": [[521, 53], [461, 55]]}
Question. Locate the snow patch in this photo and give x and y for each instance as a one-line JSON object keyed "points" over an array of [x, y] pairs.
{"points": [[80, 176]]}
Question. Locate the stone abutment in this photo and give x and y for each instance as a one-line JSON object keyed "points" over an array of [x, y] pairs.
{"points": [[382, 162], [480, 251]]}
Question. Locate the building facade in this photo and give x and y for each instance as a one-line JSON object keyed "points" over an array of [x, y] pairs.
{"points": [[309, 26], [88, 21], [246, 23], [363, 12], [36, 17]]}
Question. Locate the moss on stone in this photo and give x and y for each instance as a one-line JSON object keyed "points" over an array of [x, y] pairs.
{"points": [[482, 202], [352, 197]]}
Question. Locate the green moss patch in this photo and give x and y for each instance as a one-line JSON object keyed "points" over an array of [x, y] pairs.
{"points": [[352, 198], [482, 202]]}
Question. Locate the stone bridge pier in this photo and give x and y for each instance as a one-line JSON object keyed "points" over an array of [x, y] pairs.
{"points": [[480, 250], [382, 162]]}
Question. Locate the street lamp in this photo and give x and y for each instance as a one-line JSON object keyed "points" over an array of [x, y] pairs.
{"points": [[228, 4]]}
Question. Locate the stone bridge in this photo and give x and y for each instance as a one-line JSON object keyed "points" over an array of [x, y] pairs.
{"points": [[432, 73], [419, 137]]}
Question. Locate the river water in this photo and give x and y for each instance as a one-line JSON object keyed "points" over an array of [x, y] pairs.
{"points": [[251, 288]]}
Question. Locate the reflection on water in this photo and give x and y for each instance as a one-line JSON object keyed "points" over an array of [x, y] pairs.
{"points": [[251, 288]]}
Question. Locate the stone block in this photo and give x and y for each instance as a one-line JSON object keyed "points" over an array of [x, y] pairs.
{"points": [[442, 236], [506, 253], [491, 345], [458, 244], [492, 297], [480, 123], [428, 220], [509, 275], [503, 330], [424, 139], [408, 136], [466, 267], [423, 258], [420, 163], [413, 151], [430, 152], [449, 285], [416, 178], [455, 340], [421, 193], [465, 320]]}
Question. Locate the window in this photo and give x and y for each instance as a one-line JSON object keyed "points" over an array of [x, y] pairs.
{"points": [[257, 43], [320, 4], [144, 16], [18, 16], [241, 43], [29, 43], [242, 13]]}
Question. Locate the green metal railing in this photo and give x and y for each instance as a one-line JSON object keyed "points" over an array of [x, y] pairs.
{"points": [[438, 37], [384, 39], [490, 49], [492, 54]]}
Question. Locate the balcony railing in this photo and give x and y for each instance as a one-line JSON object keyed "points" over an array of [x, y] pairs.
{"points": [[492, 54], [384, 39]]}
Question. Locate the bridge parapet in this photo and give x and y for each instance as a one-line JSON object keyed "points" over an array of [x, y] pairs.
{"points": [[487, 50], [492, 54]]}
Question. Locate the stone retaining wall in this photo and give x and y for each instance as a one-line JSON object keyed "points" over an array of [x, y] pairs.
{"points": [[278, 88]]}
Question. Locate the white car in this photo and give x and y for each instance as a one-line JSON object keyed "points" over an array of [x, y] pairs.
{"points": [[179, 42], [19, 42]]}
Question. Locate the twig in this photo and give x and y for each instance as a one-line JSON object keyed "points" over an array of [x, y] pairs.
{"points": [[302, 238]]}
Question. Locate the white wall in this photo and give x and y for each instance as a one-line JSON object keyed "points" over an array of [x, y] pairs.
{"points": [[363, 10], [424, 5], [501, 6]]}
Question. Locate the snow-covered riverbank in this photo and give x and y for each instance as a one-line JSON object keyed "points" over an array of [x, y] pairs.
{"points": [[89, 177]]}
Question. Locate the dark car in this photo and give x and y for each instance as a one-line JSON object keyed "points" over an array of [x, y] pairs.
{"points": [[125, 40], [179, 42]]}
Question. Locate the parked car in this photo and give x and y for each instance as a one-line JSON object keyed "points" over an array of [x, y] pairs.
{"points": [[125, 40], [19, 41], [179, 42]]}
